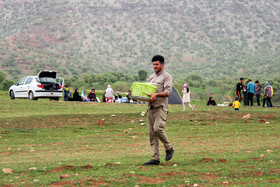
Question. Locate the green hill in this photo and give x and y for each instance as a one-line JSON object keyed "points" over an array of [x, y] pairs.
{"points": [[210, 38]]}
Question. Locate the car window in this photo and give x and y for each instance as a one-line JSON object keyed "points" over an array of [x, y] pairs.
{"points": [[21, 81], [47, 79], [29, 80]]}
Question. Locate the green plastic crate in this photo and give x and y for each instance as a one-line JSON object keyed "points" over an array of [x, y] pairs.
{"points": [[143, 89]]}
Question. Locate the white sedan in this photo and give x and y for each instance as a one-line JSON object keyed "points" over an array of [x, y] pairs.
{"points": [[45, 85]]}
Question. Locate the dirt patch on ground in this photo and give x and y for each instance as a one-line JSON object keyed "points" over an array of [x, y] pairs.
{"points": [[268, 117], [64, 183], [100, 123], [5, 132], [223, 160], [208, 176], [168, 174], [275, 171], [275, 181], [63, 167], [255, 158], [207, 160], [171, 163], [256, 173], [241, 161], [275, 147], [86, 167], [110, 164], [262, 121], [94, 182]]}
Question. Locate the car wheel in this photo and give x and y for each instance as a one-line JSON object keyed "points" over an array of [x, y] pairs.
{"points": [[31, 96], [12, 94]]}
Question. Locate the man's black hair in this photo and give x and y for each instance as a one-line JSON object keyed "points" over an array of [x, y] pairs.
{"points": [[158, 58], [93, 89], [257, 82], [237, 98], [250, 80], [241, 78]]}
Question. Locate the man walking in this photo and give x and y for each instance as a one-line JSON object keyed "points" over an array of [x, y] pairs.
{"points": [[157, 110], [239, 87], [251, 89]]}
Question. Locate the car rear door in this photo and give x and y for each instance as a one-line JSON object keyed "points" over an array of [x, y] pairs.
{"points": [[26, 86]]}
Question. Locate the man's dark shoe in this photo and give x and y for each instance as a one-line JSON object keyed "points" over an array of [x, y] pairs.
{"points": [[152, 162], [169, 154]]}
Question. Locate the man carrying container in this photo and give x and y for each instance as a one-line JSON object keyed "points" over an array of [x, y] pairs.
{"points": [[157, 110]]}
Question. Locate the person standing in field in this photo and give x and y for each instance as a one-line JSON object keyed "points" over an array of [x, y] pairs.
{"points": [[267, 94], [239, 88], [258, 92], [236, 104], [245, 94], [66, 93], [251, 89], [157, 111], [186, 97]]}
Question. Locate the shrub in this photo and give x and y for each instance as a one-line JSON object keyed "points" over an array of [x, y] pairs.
{"points": [[6, 84]]}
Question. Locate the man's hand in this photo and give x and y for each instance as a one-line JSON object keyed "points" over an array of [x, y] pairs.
{"points": [[153, 97]]}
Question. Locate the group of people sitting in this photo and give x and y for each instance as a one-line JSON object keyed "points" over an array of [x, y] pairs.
{"points": [[91, 96], [109, 97]]}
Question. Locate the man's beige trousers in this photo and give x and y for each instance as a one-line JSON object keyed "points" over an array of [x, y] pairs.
{"points": [[156, 124]]}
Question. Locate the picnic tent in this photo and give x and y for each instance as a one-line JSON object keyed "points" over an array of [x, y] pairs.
{"points": [[174, 98]]}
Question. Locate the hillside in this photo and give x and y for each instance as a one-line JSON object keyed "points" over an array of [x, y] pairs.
{"points": [[215, 39]]}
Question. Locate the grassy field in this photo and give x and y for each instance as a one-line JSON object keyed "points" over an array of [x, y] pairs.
{"points": [[50, 143]]}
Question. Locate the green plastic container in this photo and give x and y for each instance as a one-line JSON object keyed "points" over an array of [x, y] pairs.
{"points": [[142, 89]]}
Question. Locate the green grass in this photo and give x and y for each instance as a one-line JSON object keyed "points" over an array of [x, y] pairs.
{"points": [[213, 145]]}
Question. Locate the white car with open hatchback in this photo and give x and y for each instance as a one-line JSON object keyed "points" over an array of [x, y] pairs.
{"points": [[44, 85]]}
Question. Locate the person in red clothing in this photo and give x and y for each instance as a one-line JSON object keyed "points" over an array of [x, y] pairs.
{"points": [[92, 96]]}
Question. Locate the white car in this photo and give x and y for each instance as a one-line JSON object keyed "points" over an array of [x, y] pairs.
{"points": [[45, 85]]}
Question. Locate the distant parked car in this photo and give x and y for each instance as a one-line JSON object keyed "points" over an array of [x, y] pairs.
{"points": [[45, 85]]}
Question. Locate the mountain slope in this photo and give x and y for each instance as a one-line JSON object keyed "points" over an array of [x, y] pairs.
{"points": [[213, 39]]}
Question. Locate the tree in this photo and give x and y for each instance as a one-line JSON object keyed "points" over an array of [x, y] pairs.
{"points": [[142, 75], [3, 76], [6, 84]]}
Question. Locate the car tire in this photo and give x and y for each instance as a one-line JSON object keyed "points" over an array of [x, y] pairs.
{"points": [[31, 96], [12, 94]]}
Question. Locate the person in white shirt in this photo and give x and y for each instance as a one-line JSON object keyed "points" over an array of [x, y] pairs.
{"points": [[186, 97], [109, 94]]}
